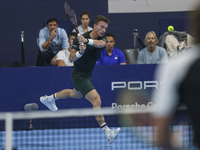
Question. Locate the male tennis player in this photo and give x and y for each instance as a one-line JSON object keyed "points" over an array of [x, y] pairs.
{"points": [[85, 52], [181, 78]]}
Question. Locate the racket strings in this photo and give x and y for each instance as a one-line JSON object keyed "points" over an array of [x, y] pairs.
{"points": [[70, 13]]}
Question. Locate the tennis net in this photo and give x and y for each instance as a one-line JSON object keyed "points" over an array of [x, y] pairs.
{"points": [[77, 129]]}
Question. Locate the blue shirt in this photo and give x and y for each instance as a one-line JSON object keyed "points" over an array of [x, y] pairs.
{"points": [[59, 42], [117, 57], [158, 56]]}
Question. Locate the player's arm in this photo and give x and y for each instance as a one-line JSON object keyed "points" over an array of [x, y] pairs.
{"points": [[96, 43], [93, 42], [77, 50], [163, 131], [75, 55]]}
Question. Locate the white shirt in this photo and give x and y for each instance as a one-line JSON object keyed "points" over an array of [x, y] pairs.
{"points": [[64, 55], [172, 75], [172, 43], [81, 31]]}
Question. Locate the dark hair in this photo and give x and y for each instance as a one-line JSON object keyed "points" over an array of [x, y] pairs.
{"points": [[73, 34], [101, 18], [51, 20], [110, 34], [85, 13]]}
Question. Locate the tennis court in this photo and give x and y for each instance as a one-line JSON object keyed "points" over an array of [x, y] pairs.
{"points": [[78, 130]]}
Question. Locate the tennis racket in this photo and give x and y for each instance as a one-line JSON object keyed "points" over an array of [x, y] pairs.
{"points": [[71, 15]]}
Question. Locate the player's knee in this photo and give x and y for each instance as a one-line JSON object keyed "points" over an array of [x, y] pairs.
{"points": [[97, 102], [76, 95], [79, 96]]}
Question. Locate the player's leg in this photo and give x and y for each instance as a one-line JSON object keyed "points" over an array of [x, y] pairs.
{"points": [[95, 99], [66, 93], [49, 101]]}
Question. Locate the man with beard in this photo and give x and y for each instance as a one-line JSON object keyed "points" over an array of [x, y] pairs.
{"points": [[152, 54], [52, 39]]}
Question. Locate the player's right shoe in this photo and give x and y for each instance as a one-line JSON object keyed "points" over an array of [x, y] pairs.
{"points": [[112, 135], [49, 103]]}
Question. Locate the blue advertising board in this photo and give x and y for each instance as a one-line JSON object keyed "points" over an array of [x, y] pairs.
{"points": [[20, 86]]}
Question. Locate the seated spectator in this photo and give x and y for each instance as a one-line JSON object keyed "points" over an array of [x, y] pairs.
{"points": [[52, 39], [111, 55], [63, 56], [152, 54], [85, 20]]}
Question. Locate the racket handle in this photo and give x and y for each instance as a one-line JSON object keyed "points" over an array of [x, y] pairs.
{"points": [[81, 42]]}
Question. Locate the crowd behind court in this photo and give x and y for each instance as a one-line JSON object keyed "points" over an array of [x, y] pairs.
{"points": [[55, 45]]}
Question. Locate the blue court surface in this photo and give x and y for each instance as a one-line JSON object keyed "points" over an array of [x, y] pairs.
{"points": [[129, 138]]}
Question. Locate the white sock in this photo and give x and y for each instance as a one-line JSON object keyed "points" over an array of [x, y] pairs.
{"points": [[105, 128], [53, 97]]}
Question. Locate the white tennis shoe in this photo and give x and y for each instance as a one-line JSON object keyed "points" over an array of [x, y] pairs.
{"points": [[49, 103], [112, 135]]}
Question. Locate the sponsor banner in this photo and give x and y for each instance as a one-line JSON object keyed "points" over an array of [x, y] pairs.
{"points": [[131, 84]]}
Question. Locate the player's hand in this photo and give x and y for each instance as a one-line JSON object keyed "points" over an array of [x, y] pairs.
{"points": [[82, 39], [82, 48]]}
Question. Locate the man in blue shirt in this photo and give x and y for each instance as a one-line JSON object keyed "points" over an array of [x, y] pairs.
{"points": [[110, 55], [152, 54], [52, 39]]}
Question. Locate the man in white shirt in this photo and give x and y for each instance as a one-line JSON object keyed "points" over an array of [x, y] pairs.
{"points": [[63, 56]]}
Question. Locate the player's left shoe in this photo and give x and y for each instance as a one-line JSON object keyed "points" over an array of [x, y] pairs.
{"points": [[112, 135]]}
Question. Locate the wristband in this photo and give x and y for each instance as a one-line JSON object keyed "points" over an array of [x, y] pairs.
{"points": [[90, 42], [78, 54]]}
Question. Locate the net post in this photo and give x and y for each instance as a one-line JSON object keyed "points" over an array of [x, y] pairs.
{"points": [[8, 128]]}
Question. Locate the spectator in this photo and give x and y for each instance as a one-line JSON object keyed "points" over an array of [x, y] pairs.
{"points": [[181, 86], [85, 20], [152, 54], [63, 56], [111, 55], [52, 39]]}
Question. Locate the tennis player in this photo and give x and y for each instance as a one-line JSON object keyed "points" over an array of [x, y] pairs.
{"points": [[181, 78], [85, 52]]}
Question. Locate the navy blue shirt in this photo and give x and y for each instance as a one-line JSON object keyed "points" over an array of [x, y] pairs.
{"points": [[117, 57]]}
